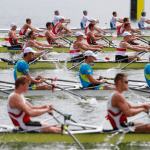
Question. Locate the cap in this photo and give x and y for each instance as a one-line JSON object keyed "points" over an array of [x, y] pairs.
{"points": [[89, 53], [12, 25], [55, 11], [79, 33], [143, 12], [125, 34], [92, 19], [84, 11], [28, 50], [61, 17]]}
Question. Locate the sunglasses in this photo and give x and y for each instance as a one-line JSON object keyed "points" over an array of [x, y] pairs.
{"points": [[126, 82]]}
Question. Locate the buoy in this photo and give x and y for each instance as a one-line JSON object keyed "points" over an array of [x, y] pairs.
{"points": [[107, 58]]}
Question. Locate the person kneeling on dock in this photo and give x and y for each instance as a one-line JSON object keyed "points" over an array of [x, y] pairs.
{"points": [[86, 74], [119, 108], [22, 68], [20, 110], [124, 45], [75, 49]]}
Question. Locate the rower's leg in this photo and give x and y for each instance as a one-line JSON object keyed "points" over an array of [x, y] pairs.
{"points": [[56, 129], [132, 57], [43, 87], [143, 129], [109, 87]]}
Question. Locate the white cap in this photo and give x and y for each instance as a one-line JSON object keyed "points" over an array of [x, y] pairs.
{"points": [[89, 53], [92, 19], [12, 25], [28, 50], [79, 33], [125, 34], [61, 17]]}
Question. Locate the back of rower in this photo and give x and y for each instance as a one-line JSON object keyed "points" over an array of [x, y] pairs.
{"points": [[13, 38], [84, 19], [27, 26]]}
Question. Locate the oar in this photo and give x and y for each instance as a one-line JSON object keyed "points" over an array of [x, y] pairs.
{"points": [[142, 53], [66, 129], [35, 60], [128, 80], [109, 42], [55, 79], [75, 94], [7, 82]]}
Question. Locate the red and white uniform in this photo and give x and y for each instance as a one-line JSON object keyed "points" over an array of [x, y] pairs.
{"points": [[115, 115], [56, 30], [49, 40], [74, 52], [86, 30], [121, 29], [120, 51], [12, 41], [18, 117], [90, 41], [23, 31]]}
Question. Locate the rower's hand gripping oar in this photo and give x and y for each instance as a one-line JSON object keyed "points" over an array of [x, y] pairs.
{"points": [[141, 54], [66, 129]]}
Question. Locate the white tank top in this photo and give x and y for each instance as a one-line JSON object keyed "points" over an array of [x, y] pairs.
{"points": [[141, 22], [120, 51], [113, 21], [74, 52], [116, 116], [18, 117]]}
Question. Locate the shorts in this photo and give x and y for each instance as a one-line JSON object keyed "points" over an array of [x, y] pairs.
{"points": [[77, 58], [52, 24], [32, 125], [133, 43], [112, 27], [121, 58], [82, 27], [97, 86], [141, 27], [125, 125], [32, 87]]}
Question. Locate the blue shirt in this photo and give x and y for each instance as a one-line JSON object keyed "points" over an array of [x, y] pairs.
{"points": [[21, 68], [84, 70], [147, 73]]}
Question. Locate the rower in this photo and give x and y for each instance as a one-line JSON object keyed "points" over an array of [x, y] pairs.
{"points": [[124, 45], [91, 36], [114, 19], [147, 73], [51, 37], [60, 28], [119, 108], [20, 110], [94, 21], [57, 17], [22, 68], [143, 19], [75, 49], [27, 26], [84, 19], [33, 43], [127, 28], [13, 38], [86, 74]]}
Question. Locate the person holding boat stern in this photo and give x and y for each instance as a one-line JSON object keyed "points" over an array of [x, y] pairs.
{"points": [[20, 110], [119, 108], [22, 68], [124, 45], [13, 38], [86, 74]]}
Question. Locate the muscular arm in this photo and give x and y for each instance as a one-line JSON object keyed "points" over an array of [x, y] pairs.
{"points": [[87, 47], [52, 37], [119, 101], [33, 29], [92, 80], [90, 34], [16, 102], [11, 34], [120, 20]]}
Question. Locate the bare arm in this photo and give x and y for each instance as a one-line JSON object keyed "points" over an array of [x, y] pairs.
{"points": [[11, 34], [33, 29], [119, 101], [52, 37], [95, 81], [90, 34], [120, 20]]}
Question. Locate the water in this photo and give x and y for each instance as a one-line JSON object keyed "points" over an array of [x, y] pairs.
{"points": [[92, 112]]}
